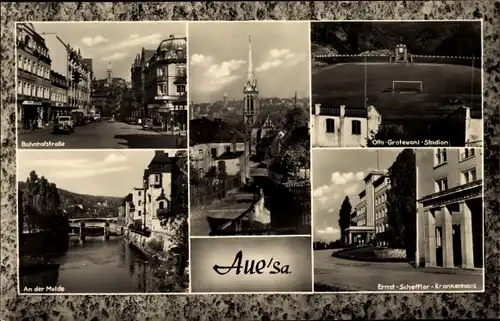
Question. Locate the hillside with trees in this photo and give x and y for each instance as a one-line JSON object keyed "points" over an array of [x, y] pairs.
{"points": [[422, 38], [76, 205]]}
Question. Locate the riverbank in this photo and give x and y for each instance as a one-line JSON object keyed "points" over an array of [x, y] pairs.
{"points": [[164, 249]]}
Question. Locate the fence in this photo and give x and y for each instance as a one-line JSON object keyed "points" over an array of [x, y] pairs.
{"points": [[209, 190]]}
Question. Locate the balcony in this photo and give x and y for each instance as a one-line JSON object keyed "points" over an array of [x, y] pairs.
{"points": [[181, 79]]}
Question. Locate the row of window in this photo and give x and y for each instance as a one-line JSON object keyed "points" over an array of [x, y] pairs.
{"points": [[162, 89], [355, 126], [381, 228], [466, 177], [362, 222], [441, 156], [180, 71], [382, 243], [381, 199], [381, 213], [32, 90], [31, 43], [59, 97], [33, 67]]}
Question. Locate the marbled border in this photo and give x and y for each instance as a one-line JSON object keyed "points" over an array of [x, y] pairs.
{"points": [[250, 307]]}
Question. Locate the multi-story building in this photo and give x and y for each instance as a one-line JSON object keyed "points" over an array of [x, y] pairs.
{"points": [[33, 77], [137, 201], [159, 189], [80, 78], [450, 207], [212, 141], [137, 75], [165, 80], [107, 94], [370, 215], [58, 94], [343, 126]]}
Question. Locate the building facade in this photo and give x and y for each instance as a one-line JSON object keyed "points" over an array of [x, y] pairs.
{"points": [[450, 207], [344, 127], [370, 215], [80, 78], [165, 80], [58, 95], [33, 77], [137, 75]]}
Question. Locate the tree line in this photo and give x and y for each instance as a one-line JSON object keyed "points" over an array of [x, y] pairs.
{"points": [[40, 206]]}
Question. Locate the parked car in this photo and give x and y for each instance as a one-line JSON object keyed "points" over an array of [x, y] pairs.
{"points": [[88, 119], [64, 124], [147, 123]]}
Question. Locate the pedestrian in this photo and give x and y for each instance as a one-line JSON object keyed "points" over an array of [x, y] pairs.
{"points": [[139, 121]]}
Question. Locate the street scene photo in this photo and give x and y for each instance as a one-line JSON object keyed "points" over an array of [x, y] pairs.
{"points": [[95, 222], [101, 85], [396, 84], [249, 129], [451, 213]]}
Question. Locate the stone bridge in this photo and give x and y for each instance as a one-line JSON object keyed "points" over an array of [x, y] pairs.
{"points": [[96, 226]]}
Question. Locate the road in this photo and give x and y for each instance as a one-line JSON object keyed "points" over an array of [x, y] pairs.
{"points": [[350, 275], [99, 135]]}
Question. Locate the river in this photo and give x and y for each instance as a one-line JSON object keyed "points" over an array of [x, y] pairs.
{"points": [[97, 266]]}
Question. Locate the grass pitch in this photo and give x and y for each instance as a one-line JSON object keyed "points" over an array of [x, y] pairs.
{"points": [[445, 87]]}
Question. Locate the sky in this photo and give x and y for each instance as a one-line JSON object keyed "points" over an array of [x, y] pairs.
{"points": [[92, 172], [118, 43], [339, 173], [219, 55]]}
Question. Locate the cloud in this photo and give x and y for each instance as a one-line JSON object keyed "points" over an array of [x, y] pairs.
{"points": [[279, 57], [320, 191], [115, 56], [134, 36], [199, 59], [89, 172], [94, 41], [344, 178], [79, 168], [218, 76], [329, 232], [132, 41]]}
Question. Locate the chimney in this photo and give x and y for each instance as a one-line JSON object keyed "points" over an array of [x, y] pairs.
{"points": [[317, 109], [342, 111]]}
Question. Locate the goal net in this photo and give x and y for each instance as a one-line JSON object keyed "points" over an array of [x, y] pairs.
{"points": [[407, 86]]}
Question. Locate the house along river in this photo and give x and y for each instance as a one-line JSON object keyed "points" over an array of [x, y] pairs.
{"points": [[96, 266]]}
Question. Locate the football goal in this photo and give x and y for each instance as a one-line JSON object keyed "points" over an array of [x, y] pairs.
{"points": [[407, 86]]}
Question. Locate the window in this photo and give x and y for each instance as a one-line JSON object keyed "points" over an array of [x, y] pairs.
{"points": [[29, 66], [441, 185], [467, 153], [440, 156], [228, 149], [213, 152], [157, 178], [20, 62], [181, 88], [469, 176], [330, 125], [161, 205], [356, 127], [139, 213], [26, 89], [139, 203], [139, 193], [20, 87], [160, 72]]}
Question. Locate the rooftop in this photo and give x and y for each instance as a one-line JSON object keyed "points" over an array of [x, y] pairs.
{"points": [[204, 131]]}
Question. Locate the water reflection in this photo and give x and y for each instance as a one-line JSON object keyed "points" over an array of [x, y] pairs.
{"points": [[97, 266]]}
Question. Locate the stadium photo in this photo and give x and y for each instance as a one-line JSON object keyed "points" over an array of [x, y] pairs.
{"points": [[392, 84]]}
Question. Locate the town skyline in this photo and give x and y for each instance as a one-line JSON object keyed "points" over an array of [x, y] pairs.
{"points": [[218, 61], [98, 41], [345, 179], [94, 172]]}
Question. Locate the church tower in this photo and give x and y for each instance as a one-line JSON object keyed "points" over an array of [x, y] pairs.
{"points": [[109, 71], [250, 92]]}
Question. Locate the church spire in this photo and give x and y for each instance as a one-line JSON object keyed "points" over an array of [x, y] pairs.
{"points": [[251, 83]]}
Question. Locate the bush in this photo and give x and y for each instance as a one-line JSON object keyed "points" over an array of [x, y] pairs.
{"points": [[390, 254], [155, 245]]}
